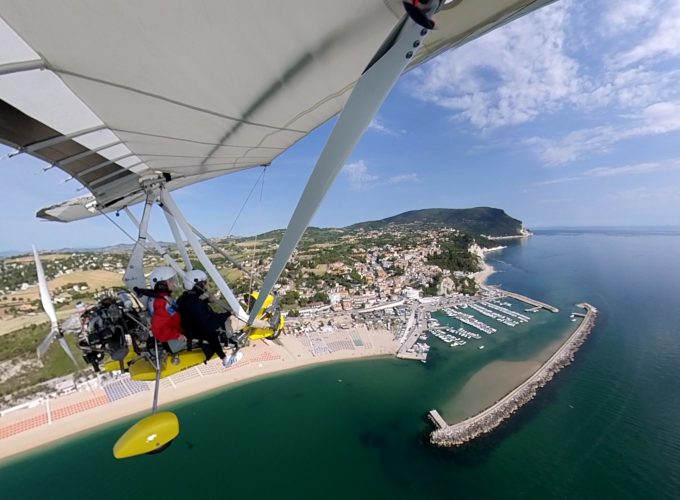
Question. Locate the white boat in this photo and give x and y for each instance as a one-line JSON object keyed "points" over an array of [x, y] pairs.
{"points": [[480, 347]]}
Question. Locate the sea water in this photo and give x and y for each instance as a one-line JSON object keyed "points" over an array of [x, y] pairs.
{"points": [[608, 426]]}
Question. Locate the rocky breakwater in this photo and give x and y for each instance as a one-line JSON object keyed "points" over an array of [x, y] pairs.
{"points": [[489, 419]]}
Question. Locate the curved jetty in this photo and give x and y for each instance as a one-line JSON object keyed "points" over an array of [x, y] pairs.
{"points": [[489, 419]]}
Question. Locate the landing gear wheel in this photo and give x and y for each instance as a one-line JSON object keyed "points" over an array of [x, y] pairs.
{"points": [[161, 448]]}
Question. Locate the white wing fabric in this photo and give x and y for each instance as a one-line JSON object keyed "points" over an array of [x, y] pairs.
{"points": [[111, 91]]}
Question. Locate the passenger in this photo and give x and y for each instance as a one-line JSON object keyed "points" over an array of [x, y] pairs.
{"points": [[166, 324], [198, 318]]}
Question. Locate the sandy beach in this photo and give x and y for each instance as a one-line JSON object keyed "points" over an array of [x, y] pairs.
{"points": [[91, 407], [481, 276], [494, 381]]}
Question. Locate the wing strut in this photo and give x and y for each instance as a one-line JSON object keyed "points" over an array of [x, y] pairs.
{"points": [[366, 98]]}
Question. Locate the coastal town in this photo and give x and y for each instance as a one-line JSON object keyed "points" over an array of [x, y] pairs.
{"points": [[361, 270], [376, 296]]}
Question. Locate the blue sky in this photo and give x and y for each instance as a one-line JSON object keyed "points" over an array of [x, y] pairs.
{"points": [[568, 116]]}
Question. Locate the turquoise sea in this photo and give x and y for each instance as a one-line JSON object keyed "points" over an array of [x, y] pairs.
{"points": [[608, 426]]}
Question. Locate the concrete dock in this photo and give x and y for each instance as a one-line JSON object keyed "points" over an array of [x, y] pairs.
{"points": [[437, 419], [531, 302], [413, 333]]}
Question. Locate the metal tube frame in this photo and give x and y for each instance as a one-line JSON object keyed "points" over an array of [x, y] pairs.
{"points": [[222, 252], [101, 165], [181, 246], [157, 365], [18, 67], [156, 246], [57, 140], [140, 245], [210, 268]]}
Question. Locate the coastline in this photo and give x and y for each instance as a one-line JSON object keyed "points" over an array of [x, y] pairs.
{"points": [[88, 409], [487, 420], [482, 276], [495, 380]]}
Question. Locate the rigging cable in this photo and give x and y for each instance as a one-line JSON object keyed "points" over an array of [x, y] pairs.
{"points": [[144, 244], [250, 193], [117, 225], [246, 202], [250, 285]]}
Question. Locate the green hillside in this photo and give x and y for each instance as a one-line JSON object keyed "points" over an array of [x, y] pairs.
{"points": [[479, 220]]}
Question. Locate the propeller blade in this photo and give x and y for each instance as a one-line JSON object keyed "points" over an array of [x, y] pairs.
{"points": [[72, 324], [64, 345], [45, 344], [45, 297]]}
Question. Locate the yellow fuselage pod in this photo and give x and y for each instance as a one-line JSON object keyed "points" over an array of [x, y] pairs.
{"points": [[262, 333], [144, 370], [112, 365], [148, 435]]}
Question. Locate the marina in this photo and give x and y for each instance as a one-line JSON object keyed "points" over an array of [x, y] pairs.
{"points": [[489, 419], [414, 333]]}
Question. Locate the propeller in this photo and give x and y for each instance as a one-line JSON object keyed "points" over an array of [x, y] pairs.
{"points": [[421, 11], [46, 299]]}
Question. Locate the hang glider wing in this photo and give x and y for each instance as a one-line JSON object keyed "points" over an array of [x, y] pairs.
{"points": [[112, 91]]}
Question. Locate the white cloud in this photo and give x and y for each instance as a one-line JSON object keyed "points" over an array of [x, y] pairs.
{"points": [[662, 41], [670, 193], [361, 179], [557, 61], [379, 126], [622, 17], [403, 178], [661, 117], [634, 169], [358, 175], [658, 118], [507, 77]]}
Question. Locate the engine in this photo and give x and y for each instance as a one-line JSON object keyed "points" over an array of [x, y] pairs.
{"points": [[109, 327]]}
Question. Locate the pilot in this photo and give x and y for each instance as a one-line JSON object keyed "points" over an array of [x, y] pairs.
{"points": [[199, 319], [166, 324]]}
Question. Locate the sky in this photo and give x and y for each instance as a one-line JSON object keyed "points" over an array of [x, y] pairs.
{"points": [[569, 116]]}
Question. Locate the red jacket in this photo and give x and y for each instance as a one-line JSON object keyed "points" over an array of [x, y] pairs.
{"points": [[165, 321]]}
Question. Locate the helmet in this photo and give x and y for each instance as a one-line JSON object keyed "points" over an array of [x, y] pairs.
{"points": [[193, 277], [160, 274]]}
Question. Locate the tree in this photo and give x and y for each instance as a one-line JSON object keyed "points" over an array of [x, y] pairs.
{"points": [[291, 298]]}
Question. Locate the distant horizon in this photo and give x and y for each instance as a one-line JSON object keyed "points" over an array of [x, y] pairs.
{"points": [[7, 253]]}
